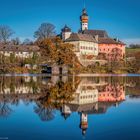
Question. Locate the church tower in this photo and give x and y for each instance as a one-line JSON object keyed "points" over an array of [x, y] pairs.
{"points": [[84, 20], [83, 122], [65, 33]]}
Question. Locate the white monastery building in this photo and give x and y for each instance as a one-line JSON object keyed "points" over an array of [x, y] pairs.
{"points": [[92, 43], [85, 44]]}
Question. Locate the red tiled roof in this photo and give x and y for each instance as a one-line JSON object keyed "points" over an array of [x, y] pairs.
{"points": [[109, 41]]}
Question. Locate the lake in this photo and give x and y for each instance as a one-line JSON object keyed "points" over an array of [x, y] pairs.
{"points": [[40, 107]]}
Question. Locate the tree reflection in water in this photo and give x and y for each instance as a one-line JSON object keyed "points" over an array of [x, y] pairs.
{"points": [[15, 101], [50, 96], [5, 110], [56, 96], [45, 113]]}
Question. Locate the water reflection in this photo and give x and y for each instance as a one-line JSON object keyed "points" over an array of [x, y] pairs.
{"points": [[84, 95]]}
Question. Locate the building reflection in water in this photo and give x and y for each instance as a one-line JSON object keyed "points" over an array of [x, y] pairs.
{"points": [[84, 95]]}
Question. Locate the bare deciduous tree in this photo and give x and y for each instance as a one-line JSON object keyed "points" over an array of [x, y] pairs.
{"points": [[46, 30], [27, 42], [15, 41], [5, 33]]}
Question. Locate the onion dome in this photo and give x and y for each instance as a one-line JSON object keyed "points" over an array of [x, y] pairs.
{"points": [[84, 127], [84, 12], [84, 132], [84, 16]]}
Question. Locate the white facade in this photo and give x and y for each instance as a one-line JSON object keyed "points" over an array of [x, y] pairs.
{"points": [[84, 26], [66, 109], [17, 90], [86, 97], [17, 54], [85, 94], [85, 48], [65, 35], [84, 118]]}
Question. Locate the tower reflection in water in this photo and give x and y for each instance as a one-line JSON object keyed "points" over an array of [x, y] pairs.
{"points": [[85, 95]]}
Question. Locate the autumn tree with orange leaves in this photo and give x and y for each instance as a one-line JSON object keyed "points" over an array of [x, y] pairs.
{"points": [[54, 50]]}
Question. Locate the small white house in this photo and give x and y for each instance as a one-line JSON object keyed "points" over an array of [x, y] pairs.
{"points": [[22, 51]]}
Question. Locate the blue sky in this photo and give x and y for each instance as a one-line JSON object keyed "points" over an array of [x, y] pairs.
{"points": [[121, 18]]}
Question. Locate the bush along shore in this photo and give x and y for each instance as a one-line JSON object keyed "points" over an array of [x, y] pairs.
{"points": [[54, 51]]}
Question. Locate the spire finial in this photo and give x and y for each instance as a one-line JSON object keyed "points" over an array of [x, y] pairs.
{"points": [[84, 3]]}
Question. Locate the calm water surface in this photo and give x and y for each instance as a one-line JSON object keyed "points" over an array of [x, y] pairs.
{"points": [[65, 108]]}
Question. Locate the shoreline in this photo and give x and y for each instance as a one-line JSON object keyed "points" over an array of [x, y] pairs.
{"points": [[78, 75]]}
